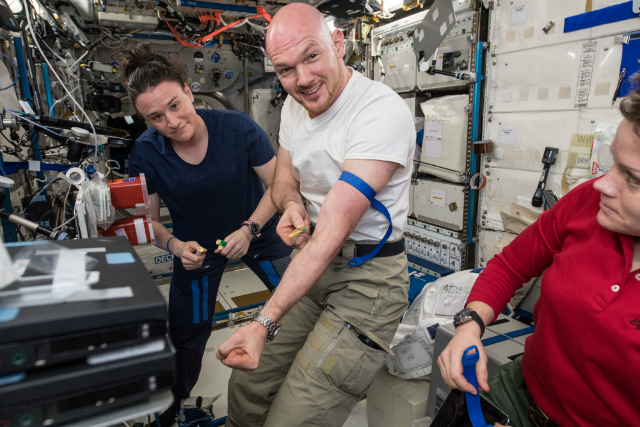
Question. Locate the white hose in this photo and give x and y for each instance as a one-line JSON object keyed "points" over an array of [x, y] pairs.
{"points": [[35, 40]]}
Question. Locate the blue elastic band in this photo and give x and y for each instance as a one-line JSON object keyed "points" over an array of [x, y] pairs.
{"points": [[370, 194], [473, 401]]}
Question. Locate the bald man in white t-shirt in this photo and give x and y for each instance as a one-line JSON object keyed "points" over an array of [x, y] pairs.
{"points": [[344, 138]]}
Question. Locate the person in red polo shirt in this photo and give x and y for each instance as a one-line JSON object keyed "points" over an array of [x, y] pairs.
{"points": [[581, 366]]}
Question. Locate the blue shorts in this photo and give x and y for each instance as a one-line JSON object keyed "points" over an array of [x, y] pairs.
{"points": [[193, 293], [192, 301]]}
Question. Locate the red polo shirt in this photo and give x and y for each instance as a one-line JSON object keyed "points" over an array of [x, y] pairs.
{"points": [[582, 364]]}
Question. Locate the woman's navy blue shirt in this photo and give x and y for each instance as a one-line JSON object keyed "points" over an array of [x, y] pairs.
{"points": [[210, 200]]}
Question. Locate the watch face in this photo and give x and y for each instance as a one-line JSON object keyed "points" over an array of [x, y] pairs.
{"points": [[465, 312], [254, 228]]}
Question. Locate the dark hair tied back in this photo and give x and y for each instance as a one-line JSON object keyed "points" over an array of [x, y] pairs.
{"points": [[143, 69]]}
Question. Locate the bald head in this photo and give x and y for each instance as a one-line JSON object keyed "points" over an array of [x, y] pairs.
{"points": [[307, 57], [297, 20]]}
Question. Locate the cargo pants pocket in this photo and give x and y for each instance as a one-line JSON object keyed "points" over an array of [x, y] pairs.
{"points": [[335, 356], [357, 367]]}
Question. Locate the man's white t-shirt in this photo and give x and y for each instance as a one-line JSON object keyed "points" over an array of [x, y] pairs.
{"points": [[368, 121]]}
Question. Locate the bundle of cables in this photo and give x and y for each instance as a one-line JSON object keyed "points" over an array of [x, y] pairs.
{"points": [[210, 25]]}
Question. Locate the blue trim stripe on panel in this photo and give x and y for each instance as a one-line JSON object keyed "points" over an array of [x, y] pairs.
{"points": [[427, 277], [223, 315], [477, 270], [443, 271], [271, 272], [195, 293], [629, 62], [27, 243], [607, 15], [475, 137], [205, 298], [523, 313], [512, 334]]}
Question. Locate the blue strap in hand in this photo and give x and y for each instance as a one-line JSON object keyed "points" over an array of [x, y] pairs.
{"points": [[370, 194], [473, 401]]}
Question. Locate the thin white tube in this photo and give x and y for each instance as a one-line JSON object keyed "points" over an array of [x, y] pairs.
{"points": [[35, 40]]}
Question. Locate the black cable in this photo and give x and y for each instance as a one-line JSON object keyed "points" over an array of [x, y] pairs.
{"points": [[20, 233], [8, 140], [45, 215]]}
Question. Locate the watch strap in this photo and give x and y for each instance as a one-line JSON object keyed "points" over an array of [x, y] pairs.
{"points": [[476, 317], [272, 327], [473, 316]]}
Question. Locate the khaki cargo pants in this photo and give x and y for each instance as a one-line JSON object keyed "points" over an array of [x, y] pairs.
{"points": [[316, 369]]}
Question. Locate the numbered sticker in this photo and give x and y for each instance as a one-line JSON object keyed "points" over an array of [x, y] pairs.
{"points": [[450, 303], [412, 355]]}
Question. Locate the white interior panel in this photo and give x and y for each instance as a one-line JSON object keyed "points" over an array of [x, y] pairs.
{"points": [[606, 70], [524, 136], [507, 186], [526, 34], [620, 27], [590, 118], [487, 241], [531, 80], [512, 32], [439, 203], [458, 43], [546, 78], [532, 99], [448, 117]]}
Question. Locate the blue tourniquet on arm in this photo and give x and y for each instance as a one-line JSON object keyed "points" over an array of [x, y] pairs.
{"points": [[370, 194]]}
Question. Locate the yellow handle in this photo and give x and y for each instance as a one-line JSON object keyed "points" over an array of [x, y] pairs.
{"points": [[299, 231]]}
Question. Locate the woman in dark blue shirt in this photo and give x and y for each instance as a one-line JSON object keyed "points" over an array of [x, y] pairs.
{"points": [[209, 168]]}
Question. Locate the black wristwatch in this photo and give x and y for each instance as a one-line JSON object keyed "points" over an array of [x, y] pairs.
{"points": [[467, 315], [254, 228]]}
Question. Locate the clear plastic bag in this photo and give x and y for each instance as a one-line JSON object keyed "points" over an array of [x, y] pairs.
{"points": [[45, 258], [7, 273], [601, 157], [89, 210], [100, 197]]}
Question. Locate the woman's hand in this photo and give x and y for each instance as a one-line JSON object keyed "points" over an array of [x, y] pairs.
{"points": [[450, 360], [237, 243], [294, 218], [188, 253]]}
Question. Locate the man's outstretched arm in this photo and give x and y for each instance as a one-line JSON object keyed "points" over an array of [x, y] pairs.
{"points": [[341, 212]]}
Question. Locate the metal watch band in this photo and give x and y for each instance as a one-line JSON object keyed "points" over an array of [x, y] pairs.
{"points": [[272, 327], [253, 227]]}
